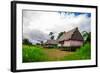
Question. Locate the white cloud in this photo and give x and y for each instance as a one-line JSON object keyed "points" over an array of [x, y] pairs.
{"points": [[46, 22]]}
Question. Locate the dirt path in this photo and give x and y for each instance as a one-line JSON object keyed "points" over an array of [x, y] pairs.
{"points": [[55, 54]]}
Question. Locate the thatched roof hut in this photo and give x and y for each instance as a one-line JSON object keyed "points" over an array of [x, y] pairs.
{"points": [[71, 38], [51, 42]]}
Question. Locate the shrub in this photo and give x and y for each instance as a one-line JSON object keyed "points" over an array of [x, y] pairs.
{"points": [[26, 42]]}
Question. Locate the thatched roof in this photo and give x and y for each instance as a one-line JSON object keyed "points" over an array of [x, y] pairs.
{"points": [[52, 42], [68, 35]]}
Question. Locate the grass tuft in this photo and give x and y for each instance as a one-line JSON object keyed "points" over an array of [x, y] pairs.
{"points": [[33, 54]]}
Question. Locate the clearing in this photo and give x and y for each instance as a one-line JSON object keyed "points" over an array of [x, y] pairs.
{"points": [[56, 54]]}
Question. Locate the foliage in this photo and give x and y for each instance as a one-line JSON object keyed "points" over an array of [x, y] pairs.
{"points": [[52, 37], [89, 37], [82, 53], [33, 53], [41, 42], [60, 34], [27, 42], [86, 36], [51, 34]]}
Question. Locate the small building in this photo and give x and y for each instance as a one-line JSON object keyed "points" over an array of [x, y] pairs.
{"points": [[51, 43], [71, 39]]}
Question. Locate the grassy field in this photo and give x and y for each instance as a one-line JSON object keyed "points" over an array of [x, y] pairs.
{"points": [[34, 53]]}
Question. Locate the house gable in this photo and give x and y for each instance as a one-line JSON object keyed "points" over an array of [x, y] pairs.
{"points": [[77, 35], [73, 34]]}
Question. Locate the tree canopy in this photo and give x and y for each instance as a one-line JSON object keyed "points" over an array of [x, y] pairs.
{"points": [[86, 36], [60, 34], [51, 34], [27, 42]]}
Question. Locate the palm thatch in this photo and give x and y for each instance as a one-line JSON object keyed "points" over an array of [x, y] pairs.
{"points": [[73, 34]]}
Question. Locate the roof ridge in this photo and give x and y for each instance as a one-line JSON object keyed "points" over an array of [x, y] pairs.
{"points": [[73, 29], [68, 34]]}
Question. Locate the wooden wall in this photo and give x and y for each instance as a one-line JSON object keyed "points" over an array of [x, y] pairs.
{"points": [[72, 43]]}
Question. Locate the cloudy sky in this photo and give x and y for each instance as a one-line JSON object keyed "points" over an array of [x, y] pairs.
{"points": [[38, 24]]}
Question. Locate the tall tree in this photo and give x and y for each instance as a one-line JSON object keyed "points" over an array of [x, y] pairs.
{"points": [[86, 36], [52, 37], [89, 37], [51, 34], [60, 34]]}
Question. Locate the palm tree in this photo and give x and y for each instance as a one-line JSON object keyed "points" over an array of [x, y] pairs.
{"points": [[51, 34], [86, 36], [60, 34], [89, 37]]}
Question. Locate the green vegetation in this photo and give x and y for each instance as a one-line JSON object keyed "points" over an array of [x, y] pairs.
{"points": [[26, 42], [51, 34], [82, 53], [38, 53], [86, 36], [60, 34], [33, 54]]}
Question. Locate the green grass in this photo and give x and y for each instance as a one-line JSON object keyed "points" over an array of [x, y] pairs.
{"points": [[33, 54], [82, 53]]}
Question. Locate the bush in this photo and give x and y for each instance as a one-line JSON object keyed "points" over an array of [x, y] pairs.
{"points": [[33, 54], [82, 53], [85, 51], [26, 42]]}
